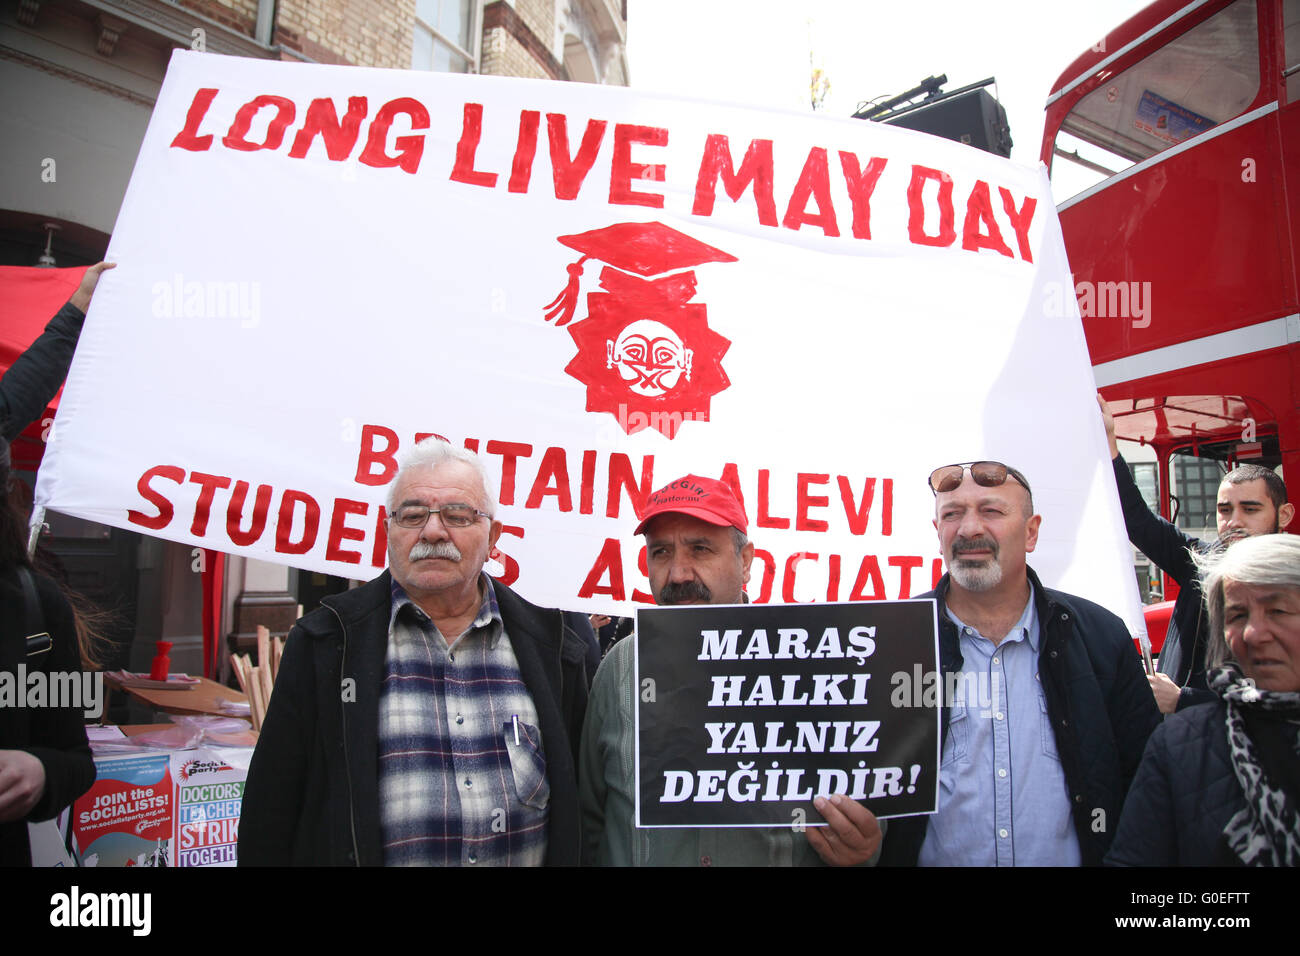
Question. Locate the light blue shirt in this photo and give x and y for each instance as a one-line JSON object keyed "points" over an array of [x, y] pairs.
{"points": [[1002, 791]]}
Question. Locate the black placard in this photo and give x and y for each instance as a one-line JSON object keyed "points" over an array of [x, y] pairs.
{"points": [[745, 713]]}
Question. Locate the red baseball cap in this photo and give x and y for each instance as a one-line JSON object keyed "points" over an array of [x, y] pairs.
{"points": [[708, 499]]}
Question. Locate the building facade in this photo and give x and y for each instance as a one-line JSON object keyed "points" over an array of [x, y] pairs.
{"points": [[78, 80]]}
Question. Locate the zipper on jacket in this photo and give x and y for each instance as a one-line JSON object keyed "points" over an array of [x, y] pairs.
{"points": [[343, 714]]}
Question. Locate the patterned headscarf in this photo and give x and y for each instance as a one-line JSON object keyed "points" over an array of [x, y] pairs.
{"points": [[1266, 832]]}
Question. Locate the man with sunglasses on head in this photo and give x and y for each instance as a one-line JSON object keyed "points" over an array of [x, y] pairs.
{"points": [[1034, 772], [430, 717], [1251, 501]]}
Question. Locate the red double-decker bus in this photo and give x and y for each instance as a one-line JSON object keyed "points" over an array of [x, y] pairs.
{"points": [[1187, 120]]}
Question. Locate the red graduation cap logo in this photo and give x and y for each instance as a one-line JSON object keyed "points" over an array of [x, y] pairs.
{"points": [[645, 351]]}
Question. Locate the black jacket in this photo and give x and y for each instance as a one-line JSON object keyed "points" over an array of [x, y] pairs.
{"points": [[55, 736], [29, 385], [312, 796], [1170, 549], [1101, 709], [1183, 796]]}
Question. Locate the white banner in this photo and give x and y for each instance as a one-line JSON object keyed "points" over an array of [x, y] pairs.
{"points": [[599, 290]]}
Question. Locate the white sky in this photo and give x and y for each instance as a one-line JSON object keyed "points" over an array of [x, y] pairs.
{"points": [[757, 51]]}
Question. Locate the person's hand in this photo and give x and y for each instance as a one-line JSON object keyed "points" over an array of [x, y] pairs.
{"points": [[1108, 420], [22, 781], [598, 621], [1166, 691], [852, 834], [81, 298]]}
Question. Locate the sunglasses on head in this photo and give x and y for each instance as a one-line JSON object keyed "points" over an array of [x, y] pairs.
{"points": [[987, 474]]}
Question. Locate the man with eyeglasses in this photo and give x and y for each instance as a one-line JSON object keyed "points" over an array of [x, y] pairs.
{"points": [[1038, 776], [430, 717]]}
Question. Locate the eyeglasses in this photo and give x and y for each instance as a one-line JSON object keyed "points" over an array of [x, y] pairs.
{"points": [[453, 516], [987, 474]]}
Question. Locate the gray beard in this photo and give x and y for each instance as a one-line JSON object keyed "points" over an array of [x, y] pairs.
{"points": [[976, 577]]}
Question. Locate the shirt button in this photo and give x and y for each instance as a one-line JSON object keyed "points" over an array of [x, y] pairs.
{"points": [[1002, 833], [1002, 772], [706, 860], [451, 657], [460, 718], [995, 660], [999, 715], [472, 858], [468, 783]]}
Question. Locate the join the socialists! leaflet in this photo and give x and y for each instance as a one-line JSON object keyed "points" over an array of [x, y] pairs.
{"points": [[599, 291]]}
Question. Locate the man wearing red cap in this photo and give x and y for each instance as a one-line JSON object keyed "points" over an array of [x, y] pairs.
{"points": [[697, 552]]}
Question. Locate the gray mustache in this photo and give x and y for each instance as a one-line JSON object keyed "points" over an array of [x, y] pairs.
{"points": [[442, 549]]}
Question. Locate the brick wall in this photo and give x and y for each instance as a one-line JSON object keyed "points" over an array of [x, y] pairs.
{"points": [[238, 15], [512, 48], [359, 32]]}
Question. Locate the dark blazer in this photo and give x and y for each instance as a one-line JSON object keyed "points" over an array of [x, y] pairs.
{"points": [[1101, 708], [312, 796]]}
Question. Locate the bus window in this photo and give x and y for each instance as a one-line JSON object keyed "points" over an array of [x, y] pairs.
{"points": [[1208, 75], [1291, 35]]}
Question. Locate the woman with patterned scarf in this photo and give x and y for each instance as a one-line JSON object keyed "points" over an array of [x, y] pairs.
{"points": [[1219, 784]]}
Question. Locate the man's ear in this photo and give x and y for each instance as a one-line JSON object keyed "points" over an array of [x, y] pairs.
{"points": [[494, 532], [746, 559], [1285, 514], [1031, 532]]}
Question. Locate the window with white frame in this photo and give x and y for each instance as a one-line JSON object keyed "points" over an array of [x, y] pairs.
{"points": [[446, 35]]}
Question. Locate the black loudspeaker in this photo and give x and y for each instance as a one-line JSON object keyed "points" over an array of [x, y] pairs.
{"points": [[974, 118]]}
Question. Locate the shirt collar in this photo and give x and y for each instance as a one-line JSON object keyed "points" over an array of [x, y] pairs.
{"points": [[1026, 627], [487, 613]]}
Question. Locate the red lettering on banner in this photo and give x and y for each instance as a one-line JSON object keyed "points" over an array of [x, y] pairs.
{"points": [[803, 501], [621, 479], [552, 479], [887, 507], [979, 211], [916, 208], [340, 531], [623, 170], [510, 572], [379, 553], [791, 567], [1021, 220], [421, 436], [165, 509], [188, 137], [322, 120], [284, 523], [569, 173], [369, 456], [936, 572], [521, 169], [587, 486], [608, 562], [471, 131], [236, 138], [833, 578], [755, 169], [869, 570], [905, 563], [861, 184], [857, 516], [731, 478], [641, 597], [510, 452], [765, 520], [235, 510], [815, 183], [409, 148], [768, 576], [471, 444], [203, 507]]}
